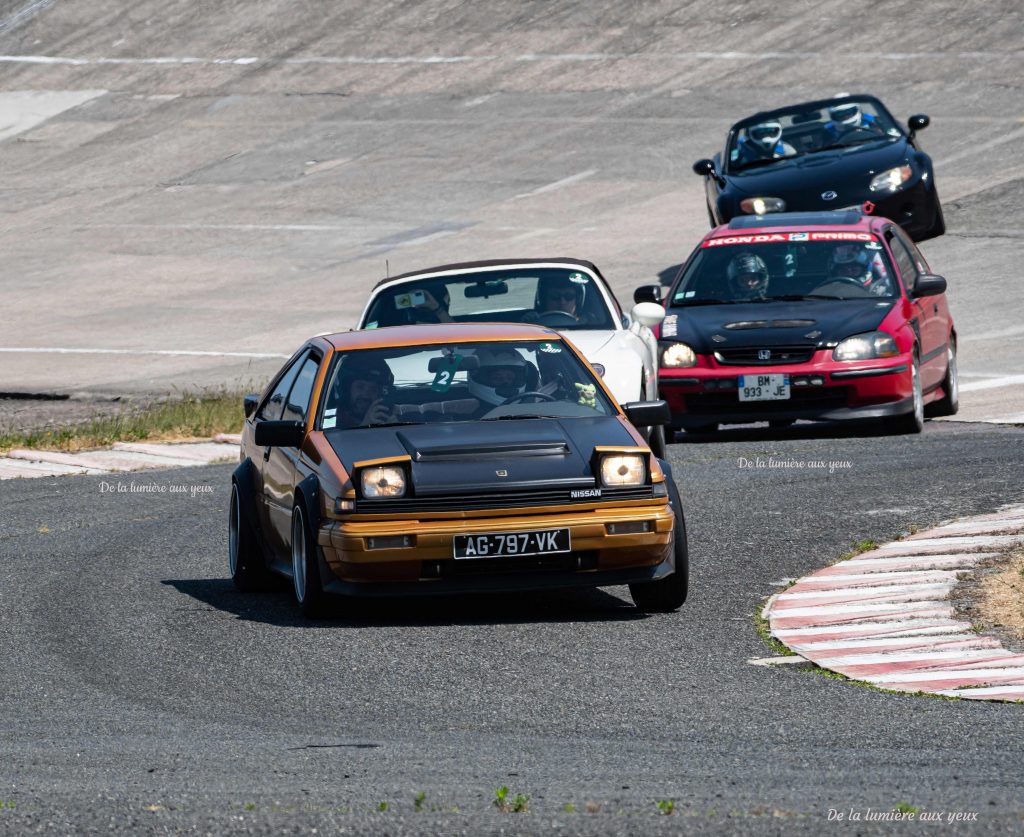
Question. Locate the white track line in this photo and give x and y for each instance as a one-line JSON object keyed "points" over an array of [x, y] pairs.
{"points": [[565, 57], [558, 184], [161, 352], [993, 383]]}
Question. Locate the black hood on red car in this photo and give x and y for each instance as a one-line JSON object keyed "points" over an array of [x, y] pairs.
{"points": [[463, 457], [810, 322]]}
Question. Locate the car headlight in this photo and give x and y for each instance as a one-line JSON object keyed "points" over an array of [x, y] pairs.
{"points": [[866, 346], [623, 469], [382, 481], [679, 354], [890, 181], [762, 206]]}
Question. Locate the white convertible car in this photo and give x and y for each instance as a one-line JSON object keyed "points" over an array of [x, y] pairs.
{"points": [[568, 295]]}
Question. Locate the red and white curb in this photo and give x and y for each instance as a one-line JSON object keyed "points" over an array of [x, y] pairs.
{"points": [[121, 457], [884, 616]]}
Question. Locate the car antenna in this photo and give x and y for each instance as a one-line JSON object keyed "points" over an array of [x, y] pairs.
{"points": [[387, 269]]}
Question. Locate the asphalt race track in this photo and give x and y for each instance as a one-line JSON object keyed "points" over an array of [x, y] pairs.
{"points": [[219, 181]]}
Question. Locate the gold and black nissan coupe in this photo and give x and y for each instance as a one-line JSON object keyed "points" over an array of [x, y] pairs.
{"points": [[449, 459]]}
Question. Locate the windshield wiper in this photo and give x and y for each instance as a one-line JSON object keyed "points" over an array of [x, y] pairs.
{"points": [[519, 416], [708, 302], [390, 424], [797, 297], [850, 144], [766, 161]]}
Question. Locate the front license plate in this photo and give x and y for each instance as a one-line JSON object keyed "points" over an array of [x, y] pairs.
{"points": [[508, 544], [764, 387]]}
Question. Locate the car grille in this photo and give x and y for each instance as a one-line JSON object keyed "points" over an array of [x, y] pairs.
{"points": [[721, 403], [748, 356], [497, 500]]}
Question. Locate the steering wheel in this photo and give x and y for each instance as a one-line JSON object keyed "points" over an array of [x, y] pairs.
{"points": [[543, 396], [846, 280], [557, 318]]}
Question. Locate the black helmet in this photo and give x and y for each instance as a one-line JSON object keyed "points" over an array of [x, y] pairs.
{"points": [[747, 264]]}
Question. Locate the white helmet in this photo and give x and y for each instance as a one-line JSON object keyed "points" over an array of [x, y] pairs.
{"points": [[766, 134], [500, 375], [748, 265], [847, 113]]}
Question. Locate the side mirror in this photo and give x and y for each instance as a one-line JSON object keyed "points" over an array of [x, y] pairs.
{"points": [[647, 413], [250, 402], [705, 168], [647, 293], [918, 122], [648, 314], [280, 434], [928, 284]]}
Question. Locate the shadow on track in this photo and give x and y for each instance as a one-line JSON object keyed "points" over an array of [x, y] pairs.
{"points": [[278, 608], [800, 430]]}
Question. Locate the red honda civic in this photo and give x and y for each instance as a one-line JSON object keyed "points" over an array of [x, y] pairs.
{"points": [[823, 316]]}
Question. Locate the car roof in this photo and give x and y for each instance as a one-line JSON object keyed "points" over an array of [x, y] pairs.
{"points": [[847, 220], [817, 104], [485, 263], [437, 333]]}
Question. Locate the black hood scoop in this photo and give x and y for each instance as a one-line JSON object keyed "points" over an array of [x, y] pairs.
{"points": [[503, 449]]}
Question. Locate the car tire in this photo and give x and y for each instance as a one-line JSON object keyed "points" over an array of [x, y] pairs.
{"points": [[309, 591], [949, 404], [656, 441], [245, 563], [938, 226], [711, 218], [669, 593], [912, 422]]}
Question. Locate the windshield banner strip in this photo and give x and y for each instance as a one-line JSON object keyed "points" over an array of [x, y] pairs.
{"points": [[774, 238]]}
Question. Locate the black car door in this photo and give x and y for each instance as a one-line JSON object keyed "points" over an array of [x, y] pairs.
{"points": [[279, 463]]}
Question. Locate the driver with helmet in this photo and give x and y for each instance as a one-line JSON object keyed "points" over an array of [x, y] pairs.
{"points": [[748, 276], [847, 117], [501, 373], [762, 142], [854, 264]]}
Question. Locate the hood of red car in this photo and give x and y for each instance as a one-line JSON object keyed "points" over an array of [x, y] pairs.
{"points": [[811, 322]]}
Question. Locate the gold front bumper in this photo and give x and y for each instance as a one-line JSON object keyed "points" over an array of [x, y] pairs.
{"points": [[346, 548]]}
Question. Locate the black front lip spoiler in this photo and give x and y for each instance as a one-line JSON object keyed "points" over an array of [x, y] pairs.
{"points": [[503, 583], [867, 373], [896, 408]]}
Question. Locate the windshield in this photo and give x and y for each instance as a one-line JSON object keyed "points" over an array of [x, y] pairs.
{"points": [[565, 298], [784, 266], [846, 123], [458, 383]]}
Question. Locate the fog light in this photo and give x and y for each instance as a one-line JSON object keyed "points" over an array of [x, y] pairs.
{"points": [[633, 527], [817, 381], [391, 542], [344, 505], [799, 382]]}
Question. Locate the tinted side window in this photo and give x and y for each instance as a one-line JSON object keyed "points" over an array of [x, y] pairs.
{"points": [[274, 406], [904, 261], [297, 406]]}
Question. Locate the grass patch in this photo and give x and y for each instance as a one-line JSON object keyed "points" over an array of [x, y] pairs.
{"points": [[859, 547], [189, 415], [764, 631]]}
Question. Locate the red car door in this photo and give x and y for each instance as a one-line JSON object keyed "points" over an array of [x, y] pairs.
{"points": [[924, 318]]}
